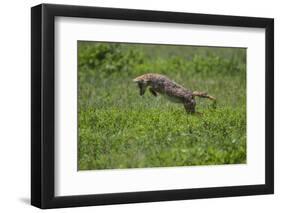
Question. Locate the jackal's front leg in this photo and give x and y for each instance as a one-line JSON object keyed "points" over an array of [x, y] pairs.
{"points": [[152, 92]]}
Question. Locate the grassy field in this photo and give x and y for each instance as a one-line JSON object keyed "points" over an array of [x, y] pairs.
{"points": [[120, 129]]}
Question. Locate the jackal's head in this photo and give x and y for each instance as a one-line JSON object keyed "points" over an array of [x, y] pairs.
{"points": [[142, 83]]}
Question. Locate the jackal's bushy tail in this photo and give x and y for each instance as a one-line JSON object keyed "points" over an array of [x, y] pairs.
{"points": [[203, 95]]}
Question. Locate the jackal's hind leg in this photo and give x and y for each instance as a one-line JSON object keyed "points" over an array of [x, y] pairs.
{"points": [[152, 92], [190, 106]]}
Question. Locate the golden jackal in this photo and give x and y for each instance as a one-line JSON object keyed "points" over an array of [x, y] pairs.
{"points": [[174, 92]]}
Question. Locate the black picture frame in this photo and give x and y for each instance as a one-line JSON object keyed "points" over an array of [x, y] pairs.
{"points": [[43, 102]]}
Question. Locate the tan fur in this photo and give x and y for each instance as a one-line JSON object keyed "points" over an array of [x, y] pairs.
{"points": [[160, 84]]}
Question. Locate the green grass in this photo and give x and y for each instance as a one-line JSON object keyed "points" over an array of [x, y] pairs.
{"points": [[120, 129]]}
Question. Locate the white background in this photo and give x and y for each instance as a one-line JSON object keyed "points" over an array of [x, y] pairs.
{"points": [[70, 182], [15, 106]]}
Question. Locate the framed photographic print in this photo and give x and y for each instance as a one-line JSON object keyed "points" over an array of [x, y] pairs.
{"points": [[138, 106]]}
